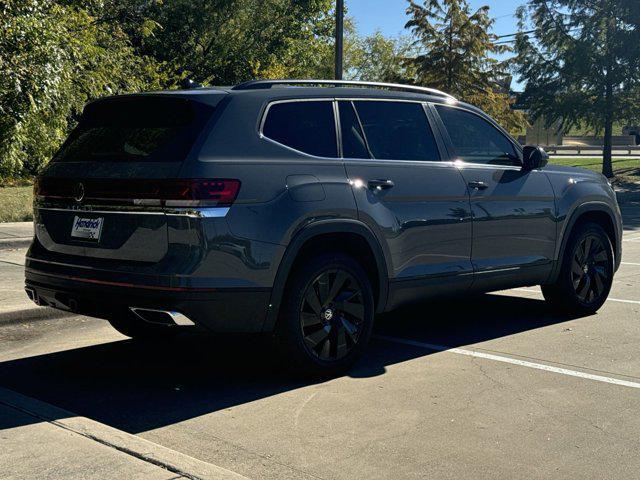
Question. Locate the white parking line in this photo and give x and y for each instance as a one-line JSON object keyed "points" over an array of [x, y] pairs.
{"points": [[630, 236], [630, 263], [513, 361], [619, 300]]}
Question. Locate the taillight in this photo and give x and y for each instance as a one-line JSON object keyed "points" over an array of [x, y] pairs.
{"points": [[157, 193], [189, 193]]}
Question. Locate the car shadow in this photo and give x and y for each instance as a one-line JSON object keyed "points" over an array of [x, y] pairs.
{"points": [[137, 388]]}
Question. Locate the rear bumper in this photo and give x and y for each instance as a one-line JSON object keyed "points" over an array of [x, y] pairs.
{"points": [[215, 309]]}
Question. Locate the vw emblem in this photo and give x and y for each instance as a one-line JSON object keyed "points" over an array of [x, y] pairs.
{"points": [[328, 314], [78, 192]]}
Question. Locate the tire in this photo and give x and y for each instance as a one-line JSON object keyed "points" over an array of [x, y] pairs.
{"points": [[326, 316], [586, 274], [129, 325]]}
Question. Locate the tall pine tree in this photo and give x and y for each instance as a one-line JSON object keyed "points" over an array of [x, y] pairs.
{"points": [[457, 52], [581, 62]]}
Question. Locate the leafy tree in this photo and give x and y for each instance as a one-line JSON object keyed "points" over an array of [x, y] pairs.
{"points": [[455, 55], [581, 63], [378, 58], [56, 55], [223, 42], [54, 58]]}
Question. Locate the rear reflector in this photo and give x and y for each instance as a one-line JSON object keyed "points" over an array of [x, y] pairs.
{"points": [[160, 193]]}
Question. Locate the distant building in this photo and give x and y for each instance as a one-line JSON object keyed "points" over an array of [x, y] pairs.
{"points": [[539, 133], [632, 130]]}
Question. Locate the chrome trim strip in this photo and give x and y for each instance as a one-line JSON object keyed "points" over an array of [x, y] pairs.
{"points": [[194, 212], [202, 212], [89, 210], [497, 270], [384, 161]]}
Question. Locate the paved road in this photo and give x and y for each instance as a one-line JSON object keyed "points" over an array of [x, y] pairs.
{"points": [[496, 386]]}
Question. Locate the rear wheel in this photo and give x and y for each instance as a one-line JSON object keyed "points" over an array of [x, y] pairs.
{"points": [[326, 316], [130, 325], [586, 275]]}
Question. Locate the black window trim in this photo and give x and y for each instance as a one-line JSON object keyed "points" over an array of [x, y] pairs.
{"points": [[449, 144], [364, 135]]}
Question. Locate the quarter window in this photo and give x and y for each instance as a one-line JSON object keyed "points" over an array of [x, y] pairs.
{"points": [[475, 140], [397, 130], [305, 126]]}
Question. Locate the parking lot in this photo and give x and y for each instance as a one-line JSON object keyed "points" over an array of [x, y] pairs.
{"points": [[494, 386]]}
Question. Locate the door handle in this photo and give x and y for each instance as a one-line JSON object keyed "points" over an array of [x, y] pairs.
{"points": [[380, 184], [477, 185]]}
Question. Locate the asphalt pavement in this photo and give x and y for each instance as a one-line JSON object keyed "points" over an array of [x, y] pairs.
{"points": [[495, 386]]}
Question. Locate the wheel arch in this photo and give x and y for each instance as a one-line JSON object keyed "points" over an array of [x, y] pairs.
{"points": [[598, 212], [319, 234]]}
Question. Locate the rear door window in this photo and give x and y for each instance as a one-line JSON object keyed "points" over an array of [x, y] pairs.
{"points": [[134, 129], [475, 140], [397, 130], [306, 126]]}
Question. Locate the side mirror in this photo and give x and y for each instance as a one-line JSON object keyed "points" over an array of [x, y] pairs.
{"points": [[534, 158]]}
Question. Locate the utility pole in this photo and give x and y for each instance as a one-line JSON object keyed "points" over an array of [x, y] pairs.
{"points": [[339, 38]]}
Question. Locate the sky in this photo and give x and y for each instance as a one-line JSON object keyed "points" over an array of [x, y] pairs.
{"points": [[389, 16]]}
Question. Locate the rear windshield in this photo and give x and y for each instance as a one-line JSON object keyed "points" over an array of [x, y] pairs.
{"points": [[135, 129]]}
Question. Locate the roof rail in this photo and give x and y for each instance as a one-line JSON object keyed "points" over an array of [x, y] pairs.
{"points": [[266, 84]]}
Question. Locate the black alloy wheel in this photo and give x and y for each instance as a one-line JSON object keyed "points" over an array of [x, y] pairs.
{"points": [[589, 272], [586, 274], [326, 315], [332, 314]]}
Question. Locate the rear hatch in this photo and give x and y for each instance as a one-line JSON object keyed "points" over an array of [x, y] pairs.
{"points": [[105, 192]]}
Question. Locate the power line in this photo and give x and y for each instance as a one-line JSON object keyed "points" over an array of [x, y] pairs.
{"points": [[517, 33], [504, 16], [505, 42]]}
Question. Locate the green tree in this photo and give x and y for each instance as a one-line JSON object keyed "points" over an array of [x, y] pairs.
{"points": [[54, 59], [56, 55], [378, 58], [581, 63], [223, 42], [456, 49]]}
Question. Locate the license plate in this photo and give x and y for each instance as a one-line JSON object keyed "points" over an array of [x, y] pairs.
{"points": [[87, 228]]}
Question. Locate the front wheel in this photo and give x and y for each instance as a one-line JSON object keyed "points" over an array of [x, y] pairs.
{"points": [[586, 274], [326, 316]]}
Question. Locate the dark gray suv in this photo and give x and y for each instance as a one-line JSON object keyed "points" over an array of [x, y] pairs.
{"points": [[303, 208]]}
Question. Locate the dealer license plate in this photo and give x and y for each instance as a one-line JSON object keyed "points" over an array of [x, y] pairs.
{"points": [[87, 228]]}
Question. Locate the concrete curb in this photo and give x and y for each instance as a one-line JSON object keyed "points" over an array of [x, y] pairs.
{"points": [[133, 445]]}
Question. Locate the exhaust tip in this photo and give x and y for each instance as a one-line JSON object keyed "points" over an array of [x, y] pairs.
{"points": [[31, 293], [162, 317]]}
